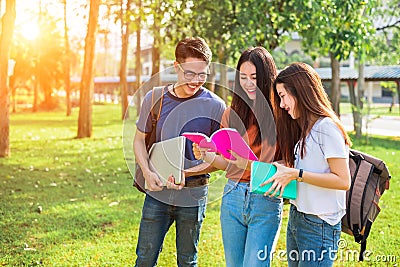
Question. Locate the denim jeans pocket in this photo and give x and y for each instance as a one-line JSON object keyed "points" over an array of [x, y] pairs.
{"points": [[229, 186], [270, 199], [312, 219]]}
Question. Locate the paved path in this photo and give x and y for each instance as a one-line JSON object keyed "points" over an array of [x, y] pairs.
{"points": [[384, 125]]}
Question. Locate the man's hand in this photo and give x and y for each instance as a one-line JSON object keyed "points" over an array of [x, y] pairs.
{"points": [[153, 182], [171, 182]]}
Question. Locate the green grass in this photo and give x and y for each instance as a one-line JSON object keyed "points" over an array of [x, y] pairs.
{"points": [[376, 109], [70, 202]]}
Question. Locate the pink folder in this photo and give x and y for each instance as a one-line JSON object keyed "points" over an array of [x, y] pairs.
{"points": [[222, 141]]}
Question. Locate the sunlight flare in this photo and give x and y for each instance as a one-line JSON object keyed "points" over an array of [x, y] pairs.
{"points": [[30, 31]]}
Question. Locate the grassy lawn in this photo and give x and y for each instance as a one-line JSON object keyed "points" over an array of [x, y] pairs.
{"points": [[70, 202], [376, 109]]}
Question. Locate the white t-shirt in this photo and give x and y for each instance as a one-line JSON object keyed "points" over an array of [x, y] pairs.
{"points": [[324, 141]]}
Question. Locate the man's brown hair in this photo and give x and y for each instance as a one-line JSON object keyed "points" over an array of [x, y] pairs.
{"points": [[194, 47]]}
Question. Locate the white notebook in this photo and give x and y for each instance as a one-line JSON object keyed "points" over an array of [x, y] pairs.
{"points": [[167, 157]]}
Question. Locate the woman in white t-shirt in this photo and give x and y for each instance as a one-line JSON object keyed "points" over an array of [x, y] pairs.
{"points": [[314, 149]]}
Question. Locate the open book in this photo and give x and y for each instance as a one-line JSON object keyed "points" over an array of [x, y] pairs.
{"points": [[167, 157], [261, 172], [222, 141]]}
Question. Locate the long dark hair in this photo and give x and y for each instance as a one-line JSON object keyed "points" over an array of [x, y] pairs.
{"points": [[303, 83], [244, 112]]}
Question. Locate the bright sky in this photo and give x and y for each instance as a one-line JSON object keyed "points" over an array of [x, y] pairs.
{"points": [[28, 15], [27, 18]]}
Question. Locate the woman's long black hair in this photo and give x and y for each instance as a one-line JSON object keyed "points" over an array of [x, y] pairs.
{"points": [[244, 112]]}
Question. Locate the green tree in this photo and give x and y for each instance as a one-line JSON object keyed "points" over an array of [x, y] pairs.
{"points": [[67, 63], [7, 29], [50, 63], [39, 67], [386, 44], [266, 23], [138, 64], [125, 19], [86, 86], [231, 26], [335, 28]]}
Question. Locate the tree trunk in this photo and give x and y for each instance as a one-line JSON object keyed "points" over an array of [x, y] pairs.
{"points": [[36, 85], [48, 102], [67, 65], [359, 104], [398, 93], [138, 64], [356, 110], [335, 86], [223, 82], [86, 86], [7, 26], [393, 102], [13, 90], [38, 46], [155, 53], [125, 23], [212, 77], [223, 70]]}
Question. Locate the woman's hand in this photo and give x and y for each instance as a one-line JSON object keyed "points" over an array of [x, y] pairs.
{"points": [[198, 154], [240, 162], [283, 176], [203, 153]]}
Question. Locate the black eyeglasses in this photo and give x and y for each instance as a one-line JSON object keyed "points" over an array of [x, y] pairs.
{"points": [[189, 75]]}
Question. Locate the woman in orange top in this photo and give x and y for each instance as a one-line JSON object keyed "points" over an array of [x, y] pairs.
{"points": [[249, 221]]}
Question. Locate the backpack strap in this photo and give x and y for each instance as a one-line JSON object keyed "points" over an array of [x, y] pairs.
{"points": [[363, 242], [362, 250], [157, 96]]}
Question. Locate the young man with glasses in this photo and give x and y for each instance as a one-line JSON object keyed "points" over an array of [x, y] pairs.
{"points": [[186, 107]]}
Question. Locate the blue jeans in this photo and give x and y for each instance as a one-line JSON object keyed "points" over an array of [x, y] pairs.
{"points": [[250, 224], [157, 217], [310, 241]]}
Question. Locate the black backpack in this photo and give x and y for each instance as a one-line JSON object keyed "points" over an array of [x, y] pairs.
{"points": [[369, 179]]}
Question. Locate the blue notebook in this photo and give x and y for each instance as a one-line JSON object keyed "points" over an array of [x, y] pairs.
{"points": [[261, 172]]}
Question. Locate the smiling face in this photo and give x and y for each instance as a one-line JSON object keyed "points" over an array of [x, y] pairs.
{"points": [[287, 101], [191, 67], [248, 79]]}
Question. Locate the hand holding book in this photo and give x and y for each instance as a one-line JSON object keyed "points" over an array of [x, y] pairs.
{"points": [[271, 180], [203, 153], [240, 162]]}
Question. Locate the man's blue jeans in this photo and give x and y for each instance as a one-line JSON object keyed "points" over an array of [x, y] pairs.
{"points": [[250, 224], [157, 217], [310, 241]]}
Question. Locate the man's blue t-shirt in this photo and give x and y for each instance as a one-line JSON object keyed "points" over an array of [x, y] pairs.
{"points": [[201, 112]]}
